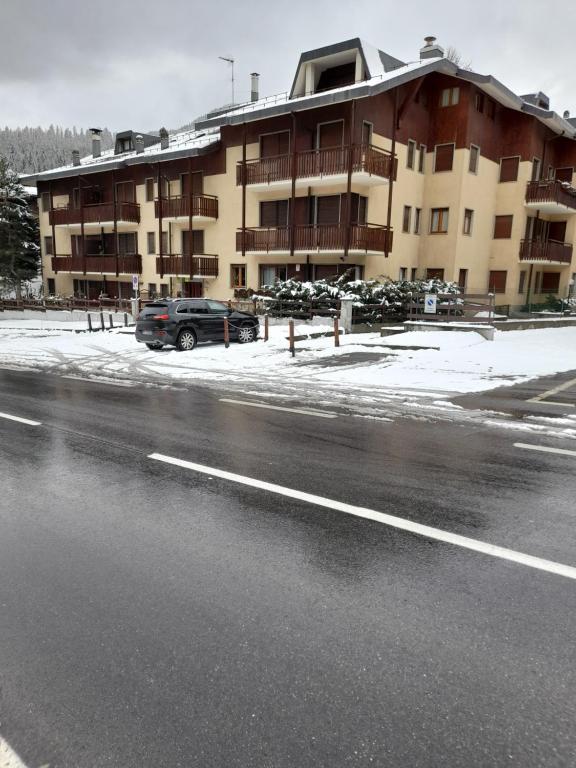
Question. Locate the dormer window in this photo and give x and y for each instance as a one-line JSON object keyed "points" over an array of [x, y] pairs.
{"points": [[336, 77], [124, 145]]}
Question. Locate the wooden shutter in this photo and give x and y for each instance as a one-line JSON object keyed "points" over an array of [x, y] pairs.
{"points": [[331, 134], [149, 190], [125, 192], [274, 213], [197, 241], [509, 168], [557, 231], [497, 281], [274, 144], [127, 243], [502, 227], [328, 209], [444, 157], [550, 282], [434, 273], [197, 183], [564, 174]]}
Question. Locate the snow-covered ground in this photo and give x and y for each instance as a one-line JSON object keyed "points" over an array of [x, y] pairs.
{"points": [[464, 362]]}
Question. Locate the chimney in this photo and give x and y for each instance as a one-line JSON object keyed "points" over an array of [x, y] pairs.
{"points": [[566, 114], [139, 142], [254, 86], [164, 138], [96, 143], [75, 157], [431, 49]]}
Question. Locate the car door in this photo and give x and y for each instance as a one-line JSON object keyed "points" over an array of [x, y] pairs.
{"points": [[216, 314], [197, 313]]}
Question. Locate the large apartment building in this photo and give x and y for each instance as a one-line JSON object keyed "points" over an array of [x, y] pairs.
{"points": [[395, 169]]}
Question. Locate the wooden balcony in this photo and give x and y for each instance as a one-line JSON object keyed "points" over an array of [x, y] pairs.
{"points": [[98, 265], [203, 207], [98, 214], [329, 238], [546, 251], [203, 266], [551, 196], [369, 165]]}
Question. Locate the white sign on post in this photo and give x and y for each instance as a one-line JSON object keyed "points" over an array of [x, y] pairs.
{"points": [[135, 283], [429, 304]]}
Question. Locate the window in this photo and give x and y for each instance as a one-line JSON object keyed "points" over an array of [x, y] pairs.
{"points": [[151, 242], [406, 218], [449, 97], [151, 290], [45, 198], [550, 282], [238, 275], [434, 273], [269, 273], [197, 241], [275, 144], [216, 307], [551, 172], [521, 281], [564, 174], [497, 281], [366, 133], [473, 159], [479, 102], [48, 246], [502, 227], [403, 273], [164, 243], [411, 154], [509, 168], [422, 158], [491, 109], [468, 216], [443, 157], [125, 192], [417, 219], [51, 286], [462, 279], [439, 220], [413, 273], [359, 205], [149, 183], [536, 163], [164, 290], [274, 213], [127, 243]]}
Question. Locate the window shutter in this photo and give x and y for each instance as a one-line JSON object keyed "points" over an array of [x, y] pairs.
{"points": [[550, 282], [497, 281], [331, 134], [328, 209], [274, 144], [509, 168], [268, 213], [444, 157], [502, 227]]}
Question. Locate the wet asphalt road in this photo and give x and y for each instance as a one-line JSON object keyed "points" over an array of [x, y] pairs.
{"points": [[154, 617]]}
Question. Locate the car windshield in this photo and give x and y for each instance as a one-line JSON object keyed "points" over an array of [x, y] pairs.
{"points": [[153, 309]]}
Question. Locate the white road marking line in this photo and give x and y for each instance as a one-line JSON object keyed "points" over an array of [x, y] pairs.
{"points": [[306, 412], [99, 381], [554, 391], [545, 449], [553, 402], [9, 758], [402, 524], [21, 420]]}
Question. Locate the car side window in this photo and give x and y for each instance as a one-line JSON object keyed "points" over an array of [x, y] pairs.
{"points": [[216, 307], [182, 309], [197, 307]]}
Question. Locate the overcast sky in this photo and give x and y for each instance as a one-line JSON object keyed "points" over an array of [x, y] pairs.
{"points": [[138, 64]]}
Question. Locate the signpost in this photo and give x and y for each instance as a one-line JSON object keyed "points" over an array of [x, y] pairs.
{"points": [[430, 304], [135, 285], [134, 301]]}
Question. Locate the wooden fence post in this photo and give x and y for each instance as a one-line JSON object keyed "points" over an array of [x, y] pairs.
{"points": [[336, 332], [266, 327], [226, 333], [291, 337], [125, 319], [110, 320], [102, 325], [90, 322]]}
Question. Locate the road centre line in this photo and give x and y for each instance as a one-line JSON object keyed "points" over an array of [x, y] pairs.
{"points": [[545, 449], [306, 412], [400, 523], [20, 420], [554, 391]]}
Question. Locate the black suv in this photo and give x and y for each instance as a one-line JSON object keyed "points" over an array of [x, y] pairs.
{"points": [[184, 322]]}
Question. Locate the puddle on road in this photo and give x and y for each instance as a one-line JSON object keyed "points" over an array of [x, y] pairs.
{"points": [[351, 358]]}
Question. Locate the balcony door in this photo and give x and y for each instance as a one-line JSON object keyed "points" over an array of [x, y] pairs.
{"points": [[327, 210], [125, 192], [274, 213], [330, 134], [197, 183], [274, 144], [127, 243], [557, 231], [197, 241]]}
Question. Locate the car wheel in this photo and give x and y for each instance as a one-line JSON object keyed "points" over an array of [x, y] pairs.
{"points": [[154, 346], [186, 340], [246, 334]]}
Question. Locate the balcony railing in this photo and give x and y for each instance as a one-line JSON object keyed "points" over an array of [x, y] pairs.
{"points": [[174, 207], [127, 265], [546, 251], [174, 264], [95, 213], [551, 191], [331, 161], [323, 237]]}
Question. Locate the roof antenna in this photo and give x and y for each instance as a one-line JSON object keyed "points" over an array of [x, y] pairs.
{"points": [[231, 62]]}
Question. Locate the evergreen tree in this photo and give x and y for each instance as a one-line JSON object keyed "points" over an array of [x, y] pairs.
{"points": [[19, 232]]}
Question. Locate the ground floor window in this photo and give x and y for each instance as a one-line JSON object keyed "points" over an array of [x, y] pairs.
{"points": [[238, 275], [270, 273], [102, 289], [497, 281], [152, 290], [550, 282], [413, 273], [434, 273], [521, 281], [462, 279], [51, 286]]}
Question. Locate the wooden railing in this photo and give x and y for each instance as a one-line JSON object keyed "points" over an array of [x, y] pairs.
{"points": [[95, 213], [172, 207], [324, 237], [174, 264], [546, 250], [551, 191], [127, 265], [364, 158]]}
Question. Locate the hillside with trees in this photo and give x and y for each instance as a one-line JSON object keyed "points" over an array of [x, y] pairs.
{"points": [[29, 150]]}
